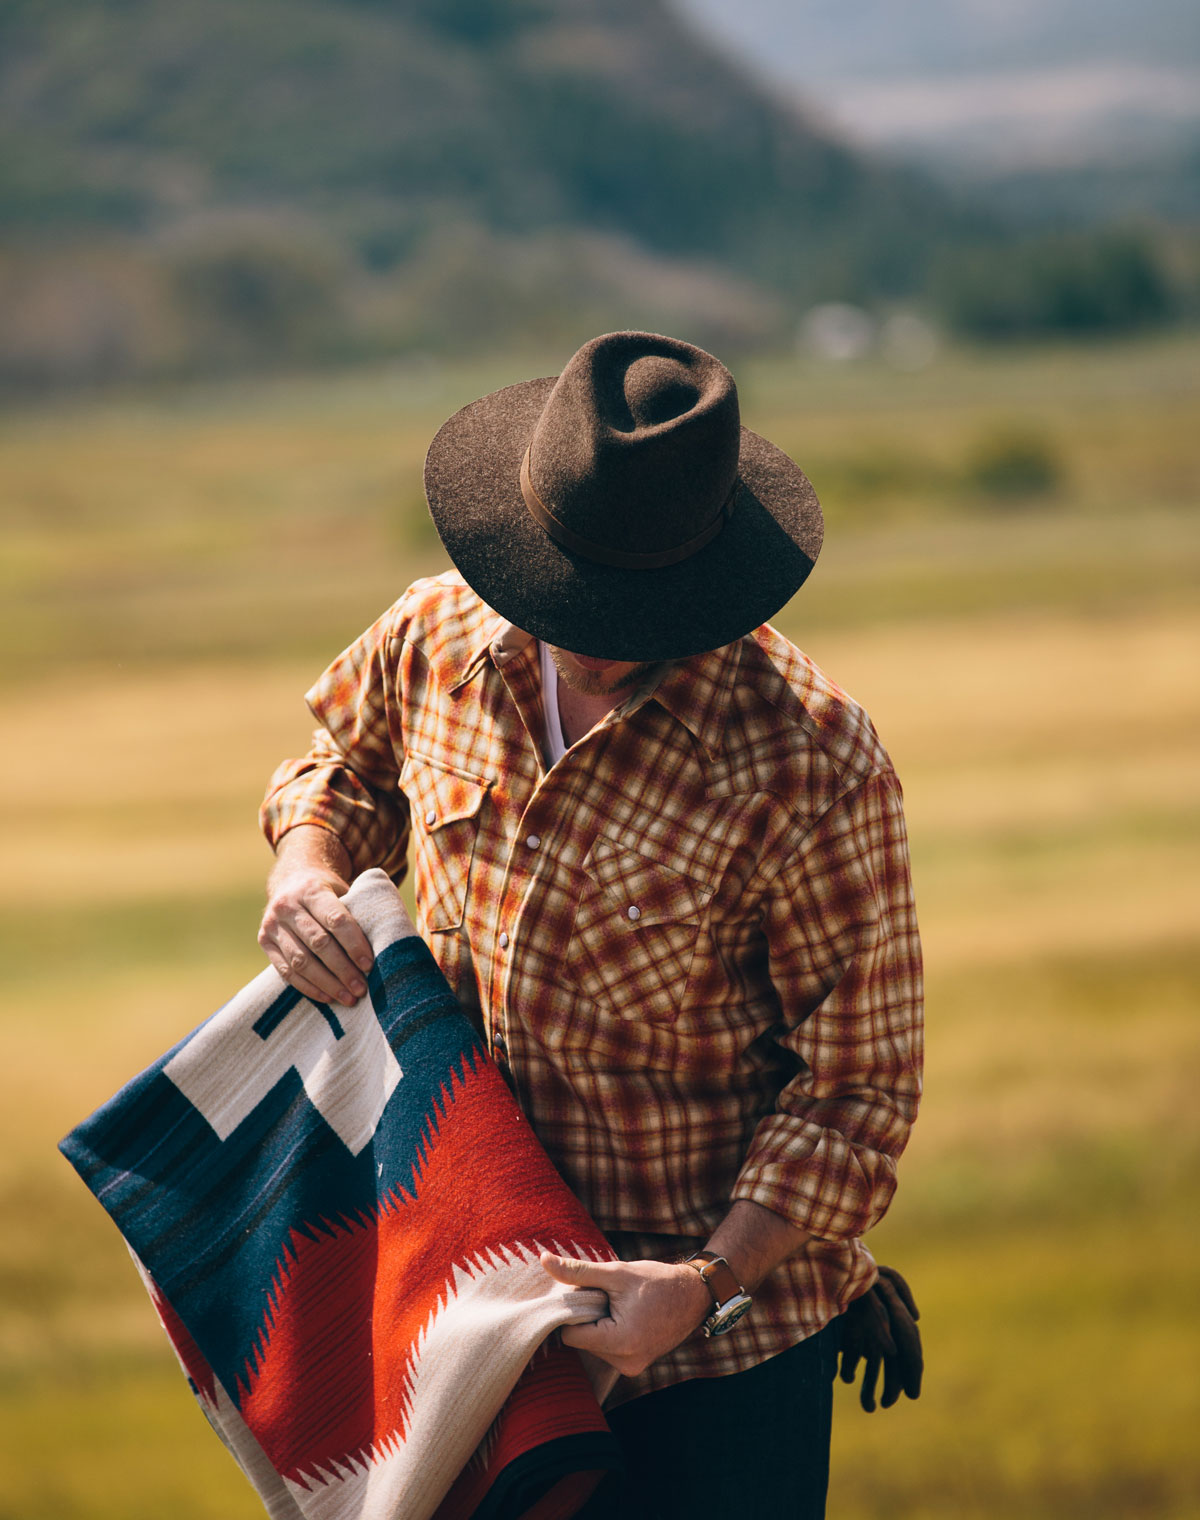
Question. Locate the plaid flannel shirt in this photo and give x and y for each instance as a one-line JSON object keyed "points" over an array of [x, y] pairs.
{"points": [[690, 945]]}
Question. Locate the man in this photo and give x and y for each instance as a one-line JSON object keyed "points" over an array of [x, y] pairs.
{"points": [[661, 859]]}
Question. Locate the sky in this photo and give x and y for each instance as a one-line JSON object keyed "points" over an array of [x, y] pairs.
{"points": [[1011, 81]]}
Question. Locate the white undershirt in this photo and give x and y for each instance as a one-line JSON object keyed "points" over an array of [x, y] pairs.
{"points": [[556, 745]]}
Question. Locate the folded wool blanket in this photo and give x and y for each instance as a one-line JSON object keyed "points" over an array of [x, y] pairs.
{"points": [[338, 1214]]}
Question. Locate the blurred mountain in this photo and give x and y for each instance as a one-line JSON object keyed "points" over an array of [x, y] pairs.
{"points": [[199, 181], [808, 41], [1059, 111]]}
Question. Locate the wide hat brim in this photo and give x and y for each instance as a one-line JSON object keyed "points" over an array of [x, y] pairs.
{"points": [[739, 579]]}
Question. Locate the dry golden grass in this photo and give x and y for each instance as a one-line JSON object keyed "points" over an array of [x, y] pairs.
{"points": [[1048, 765], [180, 572]]}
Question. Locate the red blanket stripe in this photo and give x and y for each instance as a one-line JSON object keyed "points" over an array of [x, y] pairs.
{"points": [[186, 1348], [552, 1399], [359, 1293]]}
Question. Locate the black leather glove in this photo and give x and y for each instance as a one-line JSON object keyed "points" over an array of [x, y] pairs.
{"points": [[880, 1329]]}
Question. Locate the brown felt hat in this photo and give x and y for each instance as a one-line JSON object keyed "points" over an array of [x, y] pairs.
{"points": [[620, 510]]}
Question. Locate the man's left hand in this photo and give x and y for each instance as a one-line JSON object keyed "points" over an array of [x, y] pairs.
{"points": [[880, 1329], [652, 1307]]}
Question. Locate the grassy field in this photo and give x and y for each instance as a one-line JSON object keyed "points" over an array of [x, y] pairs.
{"points": [[179, 568]]}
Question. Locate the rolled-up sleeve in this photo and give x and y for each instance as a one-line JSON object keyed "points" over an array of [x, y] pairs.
{"points": [[349, 780], [845, 961]]}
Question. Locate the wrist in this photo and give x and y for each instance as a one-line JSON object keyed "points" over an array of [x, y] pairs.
{"points": [[310, 850], [754, 1241], [695, 1294], [729, 1300]]}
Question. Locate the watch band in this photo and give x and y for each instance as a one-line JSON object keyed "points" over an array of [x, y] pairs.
{"points": [[717, 1276], [730, 1299]]}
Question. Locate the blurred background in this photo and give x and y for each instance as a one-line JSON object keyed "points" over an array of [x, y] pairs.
{"points": [[252, 252]]}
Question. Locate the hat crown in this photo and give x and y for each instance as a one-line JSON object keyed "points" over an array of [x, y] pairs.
{"points": [[659, 389], [620, 509], [636, 449]]}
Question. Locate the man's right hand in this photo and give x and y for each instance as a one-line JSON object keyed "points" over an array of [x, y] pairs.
{"points": [[307, 933]]}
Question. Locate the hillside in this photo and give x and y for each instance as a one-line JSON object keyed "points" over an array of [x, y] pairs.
{"points": [[1068, 111], [340, 176]]}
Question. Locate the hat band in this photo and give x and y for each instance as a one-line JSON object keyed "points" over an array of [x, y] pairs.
{"points": [[621, 558]]}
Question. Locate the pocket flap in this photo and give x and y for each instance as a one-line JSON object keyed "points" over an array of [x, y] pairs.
{"points": [[634, 881], [439, 795]]}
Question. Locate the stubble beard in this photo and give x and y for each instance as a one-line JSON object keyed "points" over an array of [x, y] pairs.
{"points": [[588, 683]]}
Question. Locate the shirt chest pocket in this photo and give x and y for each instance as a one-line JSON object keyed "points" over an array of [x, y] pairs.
{"points": [[635, 931], [444, 805]]}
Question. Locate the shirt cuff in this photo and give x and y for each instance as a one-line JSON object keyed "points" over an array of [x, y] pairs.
{"points": [[329, 797], [829, 1188]]}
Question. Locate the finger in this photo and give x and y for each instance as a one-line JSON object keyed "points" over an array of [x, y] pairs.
{"points": [[621, 1363], [892, 1382], [328, 910], [850, 1361], [306, 973], [910, 1359], [330, 954], [893, 1278], [300, 983], [608, 1341], [280, 949], [312, 993], [878, 1333], [870, 1376], [579, 1274], [913, 1367], [595, 1337]]}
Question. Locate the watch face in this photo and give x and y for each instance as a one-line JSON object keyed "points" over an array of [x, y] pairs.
{"points": [[727, 1315]]}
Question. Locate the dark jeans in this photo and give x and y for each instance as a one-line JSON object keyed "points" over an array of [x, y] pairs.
{"points": [[750, 1446]]}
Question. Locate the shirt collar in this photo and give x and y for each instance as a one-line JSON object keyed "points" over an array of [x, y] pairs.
{"points": [[696, 692], [500, 640]]}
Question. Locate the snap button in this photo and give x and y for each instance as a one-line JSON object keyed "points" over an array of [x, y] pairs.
{"points": [[634, 911], [503, 941], [533, 841]]}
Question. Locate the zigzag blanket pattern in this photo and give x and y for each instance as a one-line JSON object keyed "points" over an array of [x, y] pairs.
{"points": [[338, 1214]]}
